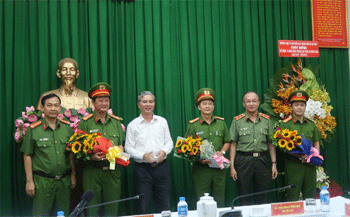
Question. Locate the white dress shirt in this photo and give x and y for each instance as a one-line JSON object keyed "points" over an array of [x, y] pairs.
{"points": [[143, 137]]}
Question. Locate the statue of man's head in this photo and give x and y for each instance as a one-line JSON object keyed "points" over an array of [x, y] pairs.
{"points": [[68, 71]]}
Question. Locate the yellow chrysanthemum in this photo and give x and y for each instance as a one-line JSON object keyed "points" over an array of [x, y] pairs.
{"points": [[282, 143], [178, 143], [76, 147], [277, 133], [290, 145]]}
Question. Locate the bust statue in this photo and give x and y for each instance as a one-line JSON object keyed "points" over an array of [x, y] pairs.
{"points": [[71, 96]]}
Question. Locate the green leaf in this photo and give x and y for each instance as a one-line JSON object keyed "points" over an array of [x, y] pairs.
{"points": [[63, 109], [268, 109], [88, 110], [74, 111]]}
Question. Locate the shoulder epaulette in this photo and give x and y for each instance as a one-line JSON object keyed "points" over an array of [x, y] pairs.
{"points": [[35, 124], [116, 117], [220, 118], [287, 119], [310, 120], [64, 121], [194, 120], [239, 116], [87, 117], [265, 116]]}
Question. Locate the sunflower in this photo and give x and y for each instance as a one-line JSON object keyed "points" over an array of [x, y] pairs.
{"points": [[293, 137], [178, 143], [82, 136], [290, 145], [184, 148], [86, 147], [189, 146], [76, 147], [72, 137], [282, 143], [286, 133], [276, 134], [298, 140], [194, 150]]}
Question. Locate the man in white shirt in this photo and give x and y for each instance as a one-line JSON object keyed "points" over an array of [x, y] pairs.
{"points": [[148, 142]]}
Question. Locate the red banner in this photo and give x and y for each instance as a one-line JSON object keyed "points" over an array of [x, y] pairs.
{"points": [[294, 48], [292, 208], [329, 23]]}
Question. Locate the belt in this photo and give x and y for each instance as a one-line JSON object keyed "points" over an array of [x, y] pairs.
{"points": [[151, 164], [57, 177], [254, 154], [290, 157], [103, 165]]}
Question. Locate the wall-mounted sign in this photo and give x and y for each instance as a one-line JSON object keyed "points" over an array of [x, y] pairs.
{"points": [[329, 23], [292, 48]]}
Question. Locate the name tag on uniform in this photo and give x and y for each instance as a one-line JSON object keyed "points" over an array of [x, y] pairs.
{"points": [[94, 131], [199, 133], [43, 139], [217, 133], [245, 128]]}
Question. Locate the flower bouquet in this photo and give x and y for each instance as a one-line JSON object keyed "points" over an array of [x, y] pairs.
{"points": [[295, 77], [286, 140], [188, 148], [292, 142], [84, 145], [194, 149], [28, 117], [208, 153]]}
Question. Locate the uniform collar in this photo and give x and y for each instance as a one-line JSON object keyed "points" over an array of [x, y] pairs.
{"points": [[96, 118], [247, 117], [46, 125], [294, 119], [201, 119], [63, 93], [154, 118]]}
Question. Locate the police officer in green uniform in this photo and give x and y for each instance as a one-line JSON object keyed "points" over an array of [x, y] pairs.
{"points": [[49, 171], [297, 171], [214, 129], [98, 175], [250, 133]]}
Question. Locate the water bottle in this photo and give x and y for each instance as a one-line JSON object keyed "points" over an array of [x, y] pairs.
{"points": [[60, 214], [325, 199], [182, 207]]}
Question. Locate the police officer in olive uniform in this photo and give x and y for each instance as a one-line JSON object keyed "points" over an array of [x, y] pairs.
{"points": [[98, 176], [49, 171], [298, 172], [214, 129], [250, 134]]}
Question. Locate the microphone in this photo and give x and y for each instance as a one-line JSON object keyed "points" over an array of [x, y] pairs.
{"points": [[234, 213], [85, 199], [116, 201]]}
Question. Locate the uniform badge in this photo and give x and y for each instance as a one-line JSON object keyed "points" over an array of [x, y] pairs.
{"points": [[206, 92], [102, 87], [43, 139], [94, 131], [199, 133], [299, 94]]}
